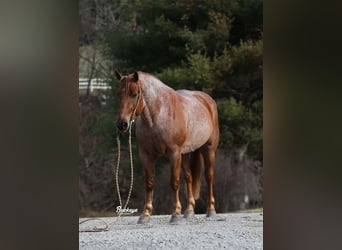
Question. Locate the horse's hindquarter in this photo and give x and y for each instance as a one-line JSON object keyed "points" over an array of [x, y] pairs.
{"points": [[201, 113]]}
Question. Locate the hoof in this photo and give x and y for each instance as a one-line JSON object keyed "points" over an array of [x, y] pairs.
{"points": [[211, 214], [189, 214], [175, 219], [144, 219]]}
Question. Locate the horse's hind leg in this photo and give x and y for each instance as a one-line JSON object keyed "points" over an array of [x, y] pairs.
{"points": [[209, 161], [175, 158]]}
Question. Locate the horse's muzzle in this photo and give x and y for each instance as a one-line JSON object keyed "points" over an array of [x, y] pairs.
{"points": [[122, 125]]}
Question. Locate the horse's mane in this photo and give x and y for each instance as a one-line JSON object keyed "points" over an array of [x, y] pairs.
{"points": [[151, 80], [152, 87]]}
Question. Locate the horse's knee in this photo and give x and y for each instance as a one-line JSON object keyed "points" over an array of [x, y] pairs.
{"points": [[209, 174], [149, 185], [188, 177], [174, 184]]}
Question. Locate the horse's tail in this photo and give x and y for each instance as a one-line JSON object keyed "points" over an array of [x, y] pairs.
{"points": [[196, 165]]}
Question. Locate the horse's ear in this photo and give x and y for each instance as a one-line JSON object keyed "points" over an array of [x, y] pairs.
{"points": [[118, 75], [135, 76]]}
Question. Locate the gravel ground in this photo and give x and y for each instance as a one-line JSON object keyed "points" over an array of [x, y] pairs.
{"points": [[225, 231]]}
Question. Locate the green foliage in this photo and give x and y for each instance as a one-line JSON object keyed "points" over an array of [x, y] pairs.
{"points": [[248, 20], [236, 72], [106, 120], [243, 79], [158, 34], [241, 127], [195, 73]]}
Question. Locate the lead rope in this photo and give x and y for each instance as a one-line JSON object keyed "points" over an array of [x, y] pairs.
{"points": [[106, 227], [117, 168]]}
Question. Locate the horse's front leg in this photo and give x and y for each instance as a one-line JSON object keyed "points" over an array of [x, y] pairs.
{"points": [[148, 162], [175, 161], [189, 212]]}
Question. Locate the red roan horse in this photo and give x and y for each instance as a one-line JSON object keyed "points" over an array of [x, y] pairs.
{"points": [[182, 125]]}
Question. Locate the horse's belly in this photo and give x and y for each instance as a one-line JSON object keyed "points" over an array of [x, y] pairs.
{"points": [[199, 131]]}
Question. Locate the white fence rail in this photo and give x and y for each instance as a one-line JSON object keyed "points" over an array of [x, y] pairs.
{"points": [[95, 84]]}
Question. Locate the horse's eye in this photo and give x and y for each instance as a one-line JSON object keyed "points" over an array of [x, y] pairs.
{"points": [[134, 94]]}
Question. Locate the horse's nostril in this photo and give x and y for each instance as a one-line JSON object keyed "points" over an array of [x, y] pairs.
{"points": [[124, 125]]}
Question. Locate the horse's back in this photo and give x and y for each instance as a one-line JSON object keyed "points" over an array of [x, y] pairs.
{"points": [[202, 118]]}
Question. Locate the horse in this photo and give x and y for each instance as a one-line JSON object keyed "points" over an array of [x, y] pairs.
{"points": [[179, 124]]}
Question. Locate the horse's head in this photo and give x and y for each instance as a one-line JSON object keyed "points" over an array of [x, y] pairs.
{"points": [[130, 100]]}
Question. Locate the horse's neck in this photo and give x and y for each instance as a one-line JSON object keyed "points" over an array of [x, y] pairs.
{"points": [[153, 90]]}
